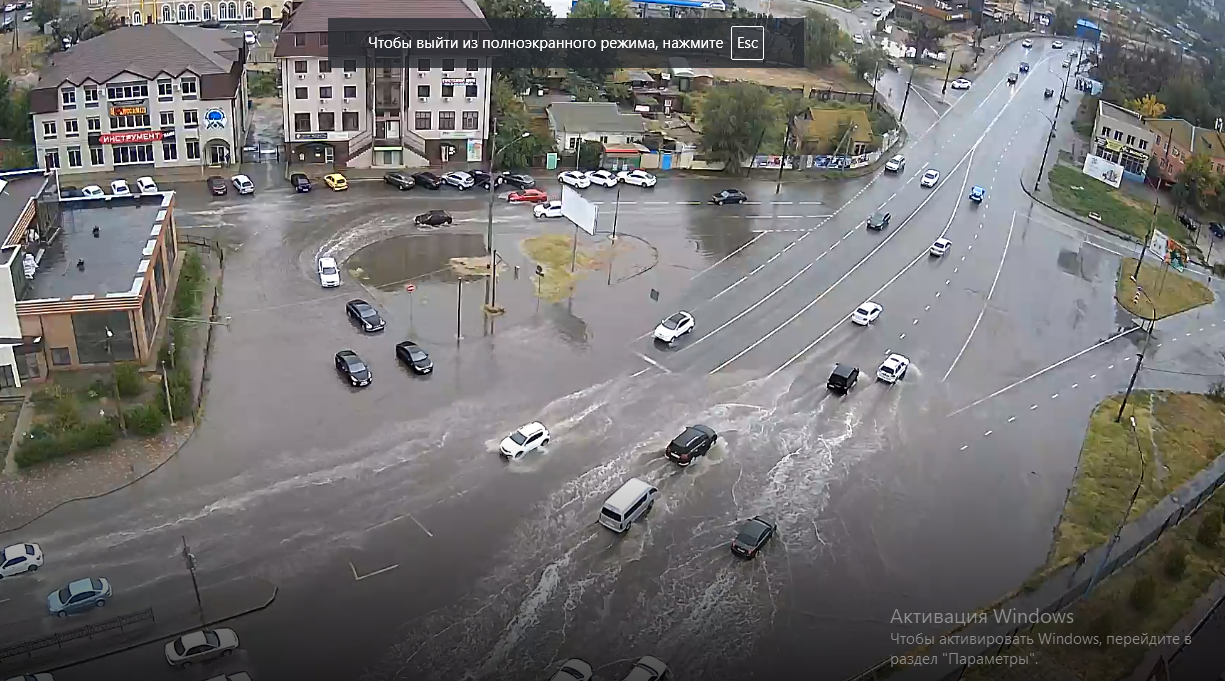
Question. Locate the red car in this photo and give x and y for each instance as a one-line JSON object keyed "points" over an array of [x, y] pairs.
{"points": [[528, 196]]}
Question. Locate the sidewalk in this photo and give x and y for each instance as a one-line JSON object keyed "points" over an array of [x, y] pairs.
{"points": [[173, 615]]}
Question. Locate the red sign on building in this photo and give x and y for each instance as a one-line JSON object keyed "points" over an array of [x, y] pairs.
{"points": [[130, 137]]}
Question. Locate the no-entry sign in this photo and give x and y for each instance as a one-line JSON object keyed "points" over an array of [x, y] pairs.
{"points": [[410, 288]]}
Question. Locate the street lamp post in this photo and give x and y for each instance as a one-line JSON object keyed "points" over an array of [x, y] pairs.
{"points": [[115, 380], [948, 72], [1123, 521], [1144, 350], [906, 97], [491, 288], [1047, 149]]}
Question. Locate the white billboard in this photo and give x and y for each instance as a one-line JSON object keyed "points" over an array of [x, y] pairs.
{"points": [[578, 210], [1158, 245], [1100, 169]]}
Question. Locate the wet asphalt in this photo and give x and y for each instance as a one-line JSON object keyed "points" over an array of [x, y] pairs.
{"points": [[404, 546]]}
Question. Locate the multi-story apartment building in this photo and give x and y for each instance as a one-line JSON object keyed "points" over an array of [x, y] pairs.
{"points": [[143, 99], [136, 12], [397, 112], [1177, 140], [1120, 136]]}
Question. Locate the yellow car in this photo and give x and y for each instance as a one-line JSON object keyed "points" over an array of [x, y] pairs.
{"points": [[336, 181]]}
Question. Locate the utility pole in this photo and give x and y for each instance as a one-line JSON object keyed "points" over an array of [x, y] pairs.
{"points": [[1046, 150], [778, 185], [1152, 225], [1143, 351], [189, 559], [166, 385], [948, 72], [616, 211], [1119, 530], [875, 79], [123, 426], [491, 285], [459, 310], [906, 97]]}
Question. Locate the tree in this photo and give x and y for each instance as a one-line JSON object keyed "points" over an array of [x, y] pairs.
{"points": [[869, 61], [1147, 106], [521, 19], [44, 11], [15, 126], [515, 9], [1065, 20], [823, 40], [925, 37], [1197, 184], [513, 121], [734, 121], [601, 9], [1186, 99]]}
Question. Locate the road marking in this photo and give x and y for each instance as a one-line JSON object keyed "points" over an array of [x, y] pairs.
{"points": [[844, 236], [726, 257], [1093, 376], [810, 203], [965, 447], [988, 433], [639, 373], [1075, 386], [783, 203], [6, 600], [789, 246], [1011, 419], [358, 578], [1055, 396], [773, 258], [1033, 407], [1039, 372], [985, 302], [914, 322], [652, 362]]}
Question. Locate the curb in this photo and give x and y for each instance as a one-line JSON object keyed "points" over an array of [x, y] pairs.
{"points": [[1098, 226], [209, 623]]}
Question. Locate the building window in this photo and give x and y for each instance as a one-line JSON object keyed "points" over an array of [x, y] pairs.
{"points": [[423, 64], [206, 11], [325, 66], [53, 158], [70, 128], [49, 131], [323, 39], [300, 93], [604, 140], [167, 119], [250, 10], [325, 92], [193, 149], [422, 120], [94, 345], [446, 120], [61, 357], [133, 153], [188, 86], [327, 121], [448, 64], [129, 122], [448, 90], [1144, 144], [350, 65], [140, 91], [7, 378], [348, 121], [191, 118], [191, 12], [423, 91], [93, 124], [469, 90], [572, 143], [170, 151], [167, 15], [97, 156], [299, 66], [1118, 135], [299, 40], [74, 157], [69, 97], [1131, 140], [302, 122], [471, 120], [91, 97], [165, 89], [1105, 131], [473, 64], [350, 92]]}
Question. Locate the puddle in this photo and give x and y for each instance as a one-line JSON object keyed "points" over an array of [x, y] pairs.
{"points": [[388, 264], [1083, 263]]}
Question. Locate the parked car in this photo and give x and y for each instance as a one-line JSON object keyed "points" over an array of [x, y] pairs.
{"points": [[647, 669], [1058, 45], [551, 209], [79, 596], [120, 188], [243, 184], [574, 179], [364, 315], [217, 186], [752, 536], [433, 218], [638, 178], [484, 179], [20, 558], [70, 192], [603, 178], [573, 670], [414, 357], [1217, 229], [428, 180], [518, 180], [459, 179], [1186, 221], [199, 646], [400, 181], [729, 196], [694, 441], [336, 181], [146, 185], [353, 368], [528, 196], [93, 191], [300, 182]]}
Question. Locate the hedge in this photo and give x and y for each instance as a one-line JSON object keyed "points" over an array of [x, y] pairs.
{"points": [[145, 420], [78, 439]]}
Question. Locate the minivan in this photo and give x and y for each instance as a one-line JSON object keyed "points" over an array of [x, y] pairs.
{"points": [[627, 504], [843, 378]]}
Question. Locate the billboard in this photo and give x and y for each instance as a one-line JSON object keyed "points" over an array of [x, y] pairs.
{"points": [[578, 210], [1100, 169], [1159, 245]]}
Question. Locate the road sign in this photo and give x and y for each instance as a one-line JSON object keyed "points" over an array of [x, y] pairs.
{"points": [[410, 288]]}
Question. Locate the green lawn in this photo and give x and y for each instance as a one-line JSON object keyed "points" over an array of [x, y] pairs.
{"points": [[1082, 195], [1169, 291]]}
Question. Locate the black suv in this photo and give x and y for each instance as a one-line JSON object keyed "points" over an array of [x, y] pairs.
{"points": [[695, 441], [427, 180], [399, 181], [301, 183], [1217, 229], [843, 379], [879, 221], [482, 178]]}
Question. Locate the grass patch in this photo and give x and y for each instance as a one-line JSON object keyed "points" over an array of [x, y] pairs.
{"points": [[554, 253], [1082, 195], [848, 4], [261, 84], [1170, 291]]}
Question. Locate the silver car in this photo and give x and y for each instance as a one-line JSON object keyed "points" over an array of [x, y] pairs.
{"points": [[648, 669], [202, 645]]}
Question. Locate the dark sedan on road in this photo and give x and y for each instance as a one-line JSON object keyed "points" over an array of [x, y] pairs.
{"points": [[694, 441], [518, 180], [218, 186], [353, 368], [482, 179], [428, 180], [414, 357], [752, 537], [729, 196], [364, 315], [400, 181], [879, 221], [433, 218], [301, 183]]}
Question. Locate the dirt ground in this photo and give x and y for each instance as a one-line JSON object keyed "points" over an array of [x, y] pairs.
{"points": [[555, 252], [833, 78]]}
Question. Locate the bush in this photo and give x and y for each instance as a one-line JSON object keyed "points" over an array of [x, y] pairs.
{"points": [[99, 388], [44, 400], [145, 420], [79, 439], [1216, 392], [1175, 565], [1143, 593], [127, 377], [66, 415], [1209, 532]]}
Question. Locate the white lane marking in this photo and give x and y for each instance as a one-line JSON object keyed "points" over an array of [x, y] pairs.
{"points": [[1011, 419], [810, 203], [1075, 386], [1033, 407], [739, 281], [1055, 396], [789, 246], [357, 578], [1039, 372], [726, 257], [773, 258], [658, 203], [986, 302], [1092, 376], [757, 269], [782, 203], [652, 362], [639, 373], [965, 447]]}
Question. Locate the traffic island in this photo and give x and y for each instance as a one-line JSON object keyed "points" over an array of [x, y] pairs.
{"points": [[564, 259], [1163, 292]]}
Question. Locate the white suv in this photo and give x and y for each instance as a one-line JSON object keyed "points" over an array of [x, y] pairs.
{"points": [[893, 369]]}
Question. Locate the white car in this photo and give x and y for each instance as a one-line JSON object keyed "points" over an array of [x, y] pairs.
{"points": [[10, 7], [551, 209], [243, 184], [93, 191], [940, 247], [896, 164], [930, 178], [893, 369], [1067, 63], [527, 439], [573, 670], [120, 188], [20, 558], [575, 179], [329, 273], [459, 179], [199, 646], [866, 314], [858, 40], [146, 185], [249, 37], [29, 16], [1058, 45], [960, 84], [672, 328], [648, 669], [602, 177], [1027, 43], [638, 178], [877, 12]]}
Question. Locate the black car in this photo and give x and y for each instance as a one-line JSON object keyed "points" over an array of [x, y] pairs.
{"points": [[300, 182], [518, 180], [1024, 67], [217, 185], [752, 537], [482, 178], [1187, 222], [1012, 78], [843, 378], [427, 180], [70, 192], [729, 196], [400, 181], [414, 357], [364, 314], [879, 221], [433, 218], [1217, 229], [695, 441], [353, 368]]}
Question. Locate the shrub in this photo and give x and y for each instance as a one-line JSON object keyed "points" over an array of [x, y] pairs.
{"points": [[81, 438], [67, 414], [1143, 592], [1216, 392], [1175, 565], [99, 388], [127, 378], [145, 420], [1209, 532], [44, 400]]}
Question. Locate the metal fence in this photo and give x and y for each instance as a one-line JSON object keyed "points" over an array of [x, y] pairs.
{"points": [[122, 624]]}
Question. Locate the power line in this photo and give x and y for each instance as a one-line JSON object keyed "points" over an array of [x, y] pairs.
{"points": [[1184, 373]]}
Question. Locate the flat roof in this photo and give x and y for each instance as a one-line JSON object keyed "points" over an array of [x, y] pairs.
{"points": [[19, 188], [112, 259]]}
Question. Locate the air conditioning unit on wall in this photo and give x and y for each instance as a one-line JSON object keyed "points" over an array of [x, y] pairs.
{"points": [[301, 76], [348, 74]]}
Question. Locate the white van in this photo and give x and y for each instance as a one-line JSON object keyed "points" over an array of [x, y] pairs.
{"points": [[627, 504]]}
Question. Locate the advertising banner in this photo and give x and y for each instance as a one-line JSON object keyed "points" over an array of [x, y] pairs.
{"points": [[1100, 169], [1158, 245]]}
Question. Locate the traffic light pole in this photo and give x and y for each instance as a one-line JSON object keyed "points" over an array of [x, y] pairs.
{"points": [[189, 559]]}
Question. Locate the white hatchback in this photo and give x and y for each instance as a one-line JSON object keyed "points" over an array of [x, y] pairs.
{"points": [[603, 178], [866, 314], [551, 209], [329, 273], [146, 185], [930, 178], [671, 329], [120, 188], [960, 84], [20, 558], [527, 439], [243, 184], [459, 179], [574, 179], [638, 178], [93, 191]]}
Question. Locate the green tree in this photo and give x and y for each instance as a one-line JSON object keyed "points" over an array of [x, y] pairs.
{"points": [[1197, 184], [869, 61], [515, 9], [44, 11], [734, 121], [925, 37], [823, 40], [601, 9], [513, 121], [15, 126], [522, 19], [1065, 20]]}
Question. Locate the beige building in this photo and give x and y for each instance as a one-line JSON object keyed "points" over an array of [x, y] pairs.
{"points": [[1120, 136], [136, 12]]}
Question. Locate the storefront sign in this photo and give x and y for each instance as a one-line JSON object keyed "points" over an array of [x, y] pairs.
{"points": [[129, 110], [1109, 144], [312, 136], [214, 119], [456, 134], [131, 137], [456, 82]]}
